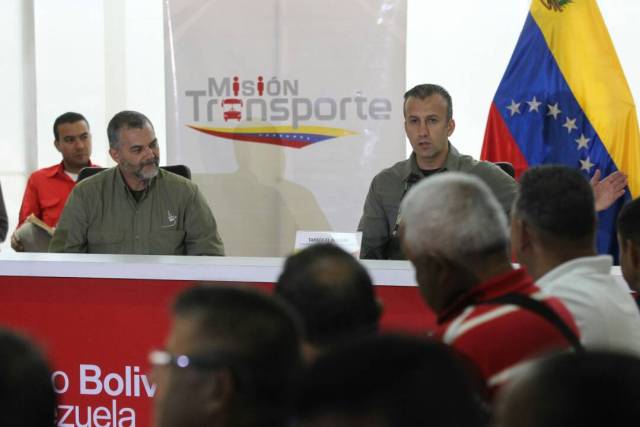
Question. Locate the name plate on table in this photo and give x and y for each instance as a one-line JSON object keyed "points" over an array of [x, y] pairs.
{"points": [[350, 242]]}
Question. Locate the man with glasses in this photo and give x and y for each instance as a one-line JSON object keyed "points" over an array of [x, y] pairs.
{"points": [[231, 358]]}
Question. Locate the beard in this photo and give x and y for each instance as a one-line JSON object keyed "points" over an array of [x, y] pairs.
{"points": [[145, 176]]}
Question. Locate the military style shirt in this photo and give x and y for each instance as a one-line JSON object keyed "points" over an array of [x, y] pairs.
{"points": [[171, 218], [380, 218]]}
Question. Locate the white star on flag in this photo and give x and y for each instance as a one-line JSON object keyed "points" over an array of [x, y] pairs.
{"points": [[570, 124], [553, 110], [533, 105], [514, 108], [582, 141], [586, 165]]}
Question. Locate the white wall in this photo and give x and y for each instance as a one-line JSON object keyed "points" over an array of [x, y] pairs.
{"points": [[465, 46], [96, 57], [101, 56]]}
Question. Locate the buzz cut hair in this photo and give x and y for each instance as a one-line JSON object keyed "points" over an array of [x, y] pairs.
{"points": [[426, 90]]}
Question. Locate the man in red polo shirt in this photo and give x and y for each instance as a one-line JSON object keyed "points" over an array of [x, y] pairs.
{"points": [[48, 188], [454, 232]]}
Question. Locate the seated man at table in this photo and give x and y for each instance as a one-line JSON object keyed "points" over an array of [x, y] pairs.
{"points": [[48, 188], [231, 360], [136, 207], [454, 232]]}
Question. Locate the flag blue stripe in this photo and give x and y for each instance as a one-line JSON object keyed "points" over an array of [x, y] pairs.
{"points": [[534, 72]]}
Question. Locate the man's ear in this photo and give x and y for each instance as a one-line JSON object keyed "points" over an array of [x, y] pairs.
{"points": [[634, 253], [451, 126], [219, 389], [521, 237], [56, 144], [115, 155]]}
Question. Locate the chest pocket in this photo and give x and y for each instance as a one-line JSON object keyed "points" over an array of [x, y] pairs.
{"points": [[167, 242], [105, 242]]}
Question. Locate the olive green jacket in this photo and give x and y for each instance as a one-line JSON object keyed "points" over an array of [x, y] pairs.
{"points": [[379, 221], [102, 216]]}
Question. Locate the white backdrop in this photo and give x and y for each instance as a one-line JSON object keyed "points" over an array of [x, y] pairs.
{"points": [[100, 56], [334, 66]]}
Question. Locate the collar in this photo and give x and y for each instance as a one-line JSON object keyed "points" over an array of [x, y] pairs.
{"points": [[411, 169], [121, 182], [59, 170], [513, 281], [598, 263]]}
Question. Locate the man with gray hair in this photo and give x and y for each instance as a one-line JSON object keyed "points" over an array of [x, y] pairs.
{"points": [[454, 232], [136, 207]]}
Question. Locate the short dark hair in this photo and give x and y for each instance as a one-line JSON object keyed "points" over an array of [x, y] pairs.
{"points": [[27, 398], [424, 91], [128, 120], [407, 381], [332, 292], [262, 331], [558, 201], [629, 221], [578, 389], [69, 117]]}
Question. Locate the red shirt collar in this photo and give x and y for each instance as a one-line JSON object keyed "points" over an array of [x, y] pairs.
{"points": [[513, 281], [59, 170]]}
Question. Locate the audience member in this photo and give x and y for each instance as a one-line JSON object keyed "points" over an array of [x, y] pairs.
{"points": [[455, 234], [332, 292], [553, 236], [4, 221], [592, 389], [231, 359], [27, 398], [48, 188], [387, 381], [136, 207], [428, 123], [629, 241]]}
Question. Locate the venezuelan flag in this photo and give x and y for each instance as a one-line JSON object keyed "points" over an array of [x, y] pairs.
{"points": [[564, 99]]}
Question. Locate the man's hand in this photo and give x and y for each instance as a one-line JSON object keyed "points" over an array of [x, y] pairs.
{"points": [[16, 244], [608, 190]]}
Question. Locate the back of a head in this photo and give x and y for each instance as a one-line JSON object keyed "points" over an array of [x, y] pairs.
{"points": [[394, 380], [27, 398], [558, 202], [332, 292], [260, 330], [455, 215], [588, 389], [629, 222]]}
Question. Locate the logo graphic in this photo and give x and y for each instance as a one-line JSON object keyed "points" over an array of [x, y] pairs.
{"points": [[172, 220], [286, 136], [272, 111], [555, 5]]}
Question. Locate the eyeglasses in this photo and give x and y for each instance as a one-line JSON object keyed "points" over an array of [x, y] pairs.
{"points": [[211, 361]]}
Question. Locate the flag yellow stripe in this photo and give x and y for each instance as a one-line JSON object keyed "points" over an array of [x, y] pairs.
{"points": [[580, 43], [315, 130]]}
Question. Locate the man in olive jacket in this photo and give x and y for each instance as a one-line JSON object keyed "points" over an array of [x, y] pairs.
{"points": [[136, 207]]}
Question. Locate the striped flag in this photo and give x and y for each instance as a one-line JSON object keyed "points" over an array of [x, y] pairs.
{"points": [[564, 99]]}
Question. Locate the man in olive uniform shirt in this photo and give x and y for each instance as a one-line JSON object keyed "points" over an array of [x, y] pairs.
{"points": [[136, 207], [428, 124]]}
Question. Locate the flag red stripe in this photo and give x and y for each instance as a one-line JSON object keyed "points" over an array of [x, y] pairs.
{"points": [[499, 145]]}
